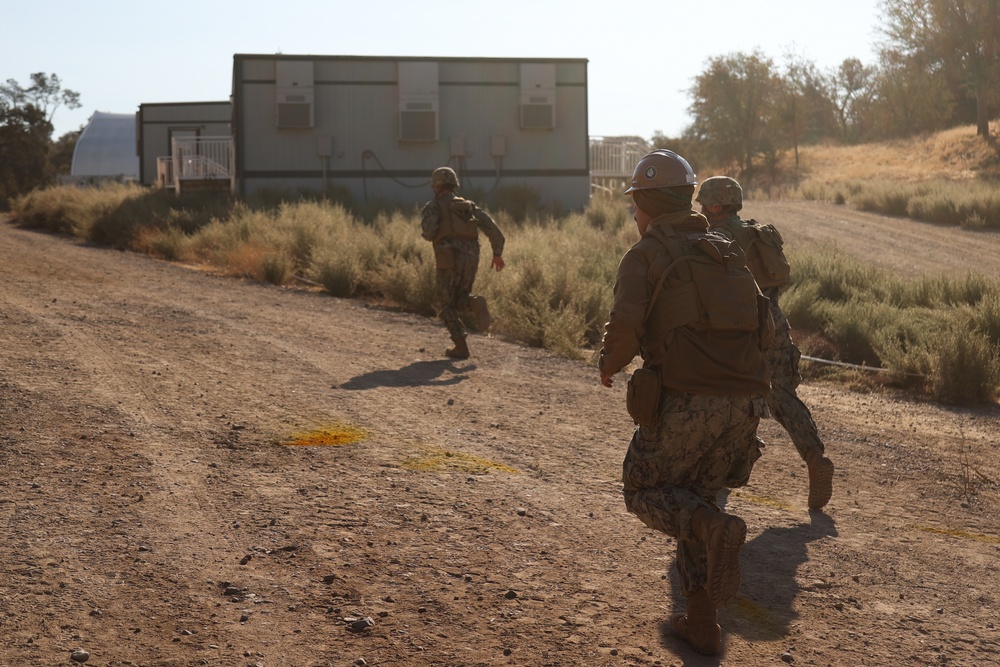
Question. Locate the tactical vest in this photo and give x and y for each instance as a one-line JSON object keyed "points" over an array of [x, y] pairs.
{"points": [[763, 247], [457, 219], [702, 282]]}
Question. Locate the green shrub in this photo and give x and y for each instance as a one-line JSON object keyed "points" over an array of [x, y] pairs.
{"points": [[170, 243], [875, 318], [277, 267], [934, 206], [970, 204], [984, 317], [412, 285], [799, 304], [963, 367], [889, 199], [339, 278], [851, 326], [607, 214], [836, 276], [72, 210], [516, 202]]}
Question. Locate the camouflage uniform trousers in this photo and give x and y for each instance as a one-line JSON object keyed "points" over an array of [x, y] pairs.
{"points": [[697, 446], [783, 361], [454, 286]]}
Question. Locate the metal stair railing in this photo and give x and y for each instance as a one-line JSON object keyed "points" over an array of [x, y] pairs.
{"points": [[615, 157], [202, 158]]}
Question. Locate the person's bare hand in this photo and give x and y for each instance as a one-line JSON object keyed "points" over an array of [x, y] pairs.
{"points": [[607, 380], [498, 263]]}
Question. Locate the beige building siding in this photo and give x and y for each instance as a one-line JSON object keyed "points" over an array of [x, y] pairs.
{"points": [[157, 124], [354, 139]]}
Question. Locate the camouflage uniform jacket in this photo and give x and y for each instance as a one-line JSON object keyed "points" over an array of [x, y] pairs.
{"points": [[713, 362], [431, 225], [782, 329]]}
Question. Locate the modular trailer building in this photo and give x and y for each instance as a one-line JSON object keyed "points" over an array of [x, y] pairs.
{"points": [[157, 124], [378, 126]]}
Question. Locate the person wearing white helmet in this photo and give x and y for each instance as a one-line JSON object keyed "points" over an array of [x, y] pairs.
{"points": [[685, 301], [452, 224], [721, 198]]}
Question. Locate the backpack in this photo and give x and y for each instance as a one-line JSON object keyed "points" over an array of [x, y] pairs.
{"points": [[458, 219], [763, 247], [706, 285]]}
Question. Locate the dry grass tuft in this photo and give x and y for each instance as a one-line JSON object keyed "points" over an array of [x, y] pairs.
{"points": [[955, 154]]}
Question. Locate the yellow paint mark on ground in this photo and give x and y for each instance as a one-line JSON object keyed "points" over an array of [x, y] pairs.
{"points": [[979, 537], [436, 458], [761, 618], [762, 500], [333, 435]]}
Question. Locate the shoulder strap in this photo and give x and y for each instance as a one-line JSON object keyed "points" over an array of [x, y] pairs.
{"points": [[678, 253], [741, 234], [444, 216]]}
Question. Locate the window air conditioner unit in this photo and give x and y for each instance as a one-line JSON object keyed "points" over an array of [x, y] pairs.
{"points": [[418, 122], [538, 95], [539, 112], [295, 93], [418, 101], [295, 111]]}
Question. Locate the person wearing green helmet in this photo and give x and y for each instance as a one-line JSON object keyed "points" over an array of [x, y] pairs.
{"points": [[721, 198], [452, 224], [685, 301]]}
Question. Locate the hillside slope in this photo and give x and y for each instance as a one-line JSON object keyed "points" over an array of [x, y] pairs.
{"points": [[951, 154]]}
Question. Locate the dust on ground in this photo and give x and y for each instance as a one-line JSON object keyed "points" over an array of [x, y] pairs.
{"points": [[204, 471]]}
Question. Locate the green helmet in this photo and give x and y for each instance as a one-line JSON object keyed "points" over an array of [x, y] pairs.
{"points": [[721, 191], [444, 176]]}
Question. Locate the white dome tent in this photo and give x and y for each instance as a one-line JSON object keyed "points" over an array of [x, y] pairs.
{"points": [[106, 149]]}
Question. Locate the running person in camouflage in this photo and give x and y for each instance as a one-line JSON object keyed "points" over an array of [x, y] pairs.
{"points": [[453, 224], [685, 301], [720, 198]]}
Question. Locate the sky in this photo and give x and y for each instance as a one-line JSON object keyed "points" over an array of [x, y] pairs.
{"points": [[642, 57]]}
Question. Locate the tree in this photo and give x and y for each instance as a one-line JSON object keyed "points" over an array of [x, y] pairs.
{"points": [[959, 36], [26, 132], [61, 152], [694, 150], [851, 91], [909, 97], [732, 101], [24, 150], [805, 109], [45, 93]]}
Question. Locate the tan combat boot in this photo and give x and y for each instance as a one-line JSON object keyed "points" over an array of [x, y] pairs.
{"points": [[698, 627], [820, 480], [482, 312], [460, 351], [723, 535]]}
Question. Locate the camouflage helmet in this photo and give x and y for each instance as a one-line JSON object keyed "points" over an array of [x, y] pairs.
{"points": [[444, 176], [662, 169], [721, 191]]}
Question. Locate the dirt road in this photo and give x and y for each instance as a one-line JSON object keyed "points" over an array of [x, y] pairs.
{"points": [[154, 516]]}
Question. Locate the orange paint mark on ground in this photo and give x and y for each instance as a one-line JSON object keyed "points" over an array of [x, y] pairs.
{"points": [[334, 435]]}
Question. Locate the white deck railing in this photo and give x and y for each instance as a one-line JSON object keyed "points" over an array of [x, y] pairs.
{"points": [[199, 159], [615, 157]]}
